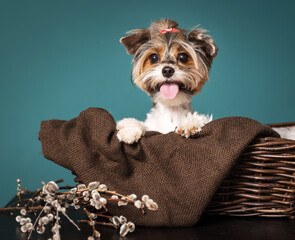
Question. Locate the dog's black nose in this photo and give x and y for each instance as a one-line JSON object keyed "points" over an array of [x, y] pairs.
{"points": [[168, 71]]}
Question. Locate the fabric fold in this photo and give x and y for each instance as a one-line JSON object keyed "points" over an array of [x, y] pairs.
{"points": [[180, 174]]}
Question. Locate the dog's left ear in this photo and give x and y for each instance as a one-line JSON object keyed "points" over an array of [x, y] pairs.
{"points": [[203, 44], [135, 39]]}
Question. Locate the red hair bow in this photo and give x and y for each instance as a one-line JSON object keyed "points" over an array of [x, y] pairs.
{"points": [[169, 30]]}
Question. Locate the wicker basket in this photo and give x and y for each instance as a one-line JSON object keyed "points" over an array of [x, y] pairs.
{"points": [[262, 182]]}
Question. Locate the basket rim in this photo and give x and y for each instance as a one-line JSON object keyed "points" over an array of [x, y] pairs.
{"points": [[285, 124]]}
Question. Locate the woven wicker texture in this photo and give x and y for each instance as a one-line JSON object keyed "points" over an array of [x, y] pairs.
{"points": [[262, 182]]}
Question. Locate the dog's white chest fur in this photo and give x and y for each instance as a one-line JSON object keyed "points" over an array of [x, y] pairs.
{"points": [[174, 115], [166, 116], [166, 119]]}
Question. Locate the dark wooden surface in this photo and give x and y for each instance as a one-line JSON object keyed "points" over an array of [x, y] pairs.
{"points": [[213, 227]]}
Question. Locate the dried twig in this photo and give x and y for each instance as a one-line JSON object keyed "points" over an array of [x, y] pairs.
{"points": [[46, 203]]}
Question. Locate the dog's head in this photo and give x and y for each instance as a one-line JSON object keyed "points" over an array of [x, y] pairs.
{"points": [[169, 61]]}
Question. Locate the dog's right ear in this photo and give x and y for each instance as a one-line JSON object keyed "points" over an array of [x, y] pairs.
{"points": [[204, 44], [135, 39]]}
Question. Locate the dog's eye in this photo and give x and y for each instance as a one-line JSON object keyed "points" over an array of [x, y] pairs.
{"points": [[182, 57], [154, 58]]}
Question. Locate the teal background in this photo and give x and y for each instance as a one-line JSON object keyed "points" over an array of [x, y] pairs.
{"points": [[59, 57]]}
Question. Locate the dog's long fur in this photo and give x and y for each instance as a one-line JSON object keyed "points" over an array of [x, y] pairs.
{"points": [[188, 57]]}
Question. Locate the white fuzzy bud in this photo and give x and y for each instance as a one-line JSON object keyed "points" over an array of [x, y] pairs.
{"points": [[96, 234], [122, 219], [55, 204], [23, 212], [151, 205], [40, 229], [47, 209], [29, 226], [50, 188], [91, 223], [138, 204], [103, 201], [115, 220], [70, 196], [93, 185], [124, 230], [103, 187], [145, 198], [86, 199], [18, 218], [50, 217], [81, 186], [86, 193], [23, 221], [95, 195], [23, 228], [73, 190], [133, 196], [55, 228], [120, 203], [56, 236], [44, 220], [131, 226]]}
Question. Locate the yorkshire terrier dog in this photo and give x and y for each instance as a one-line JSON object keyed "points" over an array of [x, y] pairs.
{"points": [[171, 65]]}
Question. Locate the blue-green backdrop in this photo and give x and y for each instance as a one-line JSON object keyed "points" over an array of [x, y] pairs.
{"points": [[59, 57]]}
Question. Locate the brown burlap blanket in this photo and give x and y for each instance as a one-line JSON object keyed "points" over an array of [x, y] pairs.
{"points": [[180, 174]]}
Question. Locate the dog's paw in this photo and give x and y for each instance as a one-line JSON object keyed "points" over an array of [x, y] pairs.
{"points": [[192, 124], [130, 130], [187, 131]]}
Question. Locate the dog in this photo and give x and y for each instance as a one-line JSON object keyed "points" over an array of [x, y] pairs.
{"points": [[171, 65]]}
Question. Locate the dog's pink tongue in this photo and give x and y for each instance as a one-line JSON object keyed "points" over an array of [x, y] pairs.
{"points": [[169, 91]]}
